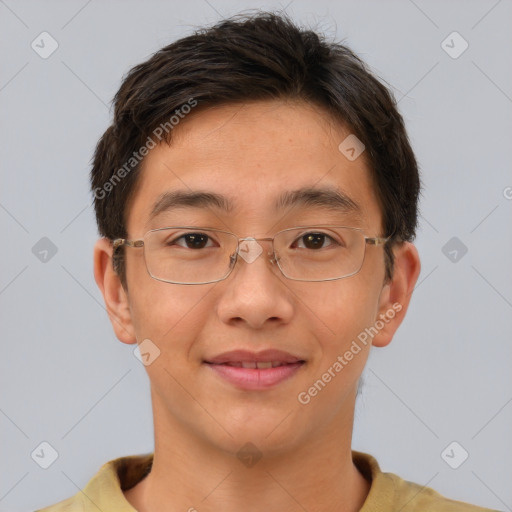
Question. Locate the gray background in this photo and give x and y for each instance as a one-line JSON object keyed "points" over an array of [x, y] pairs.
{"points": [[446, 377]]}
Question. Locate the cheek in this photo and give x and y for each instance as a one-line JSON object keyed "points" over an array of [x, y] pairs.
{"points": [[341, 312], [157, 309], [341, 309], [170, 315]]}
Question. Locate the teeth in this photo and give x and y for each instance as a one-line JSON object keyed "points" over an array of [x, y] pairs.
{"points": [[266, 364], [262, 365]]}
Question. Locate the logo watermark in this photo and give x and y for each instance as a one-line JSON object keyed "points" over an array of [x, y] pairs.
{"points": [[304, 397], [138, 156]]}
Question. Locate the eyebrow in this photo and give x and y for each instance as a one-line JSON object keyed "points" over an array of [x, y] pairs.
{"points": [[325, 197]]}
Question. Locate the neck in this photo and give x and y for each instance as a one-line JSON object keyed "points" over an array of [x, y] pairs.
{"points": [[190, 474]]}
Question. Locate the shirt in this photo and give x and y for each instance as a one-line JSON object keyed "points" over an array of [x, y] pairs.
{"points": [[388, 492]]}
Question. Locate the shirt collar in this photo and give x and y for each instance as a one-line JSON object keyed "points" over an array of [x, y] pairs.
{"points": [[105, 490]]}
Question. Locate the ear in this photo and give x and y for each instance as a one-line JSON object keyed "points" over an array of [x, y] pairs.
{"points": [[396, 294], [115, 296]]}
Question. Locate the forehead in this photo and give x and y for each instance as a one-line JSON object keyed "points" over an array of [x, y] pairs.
{"points": [[251, 162]]}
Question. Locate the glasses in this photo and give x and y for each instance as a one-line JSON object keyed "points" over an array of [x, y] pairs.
{"points": [[193, 255]]}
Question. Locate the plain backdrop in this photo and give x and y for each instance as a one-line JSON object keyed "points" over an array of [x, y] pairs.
{"points": [[67, 381]]}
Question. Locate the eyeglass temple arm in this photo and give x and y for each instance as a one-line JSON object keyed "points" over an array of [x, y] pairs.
{"points": [[376, 240], [131, 243]]}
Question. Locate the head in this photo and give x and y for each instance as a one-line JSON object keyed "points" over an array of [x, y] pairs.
{"points": [[254, 110]]}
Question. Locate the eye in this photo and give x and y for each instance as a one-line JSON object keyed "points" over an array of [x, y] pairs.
{"points": [[192, 241], [314, 241]]}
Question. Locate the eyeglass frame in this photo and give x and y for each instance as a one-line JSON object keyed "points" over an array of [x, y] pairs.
{"points": [[120, 242]]}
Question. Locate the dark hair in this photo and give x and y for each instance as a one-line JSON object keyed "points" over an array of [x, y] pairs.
{"points": [[260, 56]]}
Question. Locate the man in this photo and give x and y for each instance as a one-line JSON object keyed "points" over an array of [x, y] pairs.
{"points": [[257, 197]]}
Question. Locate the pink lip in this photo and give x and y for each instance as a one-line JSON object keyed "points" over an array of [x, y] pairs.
{"points": [[255, 378], [245, 355]]}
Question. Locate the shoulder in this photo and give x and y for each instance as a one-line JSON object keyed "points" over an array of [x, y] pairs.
{"points": [[105, 490], [415, 498], [390, 493], [72, 504]]}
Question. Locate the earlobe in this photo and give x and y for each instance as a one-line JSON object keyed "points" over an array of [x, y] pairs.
{"points": [[114, 295], [396, 295]]}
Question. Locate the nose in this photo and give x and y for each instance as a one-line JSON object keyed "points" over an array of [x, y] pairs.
{"points": [[255, 293]]}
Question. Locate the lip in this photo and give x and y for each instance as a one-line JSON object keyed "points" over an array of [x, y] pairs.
{"points": [[245, 355], [255, 378]]}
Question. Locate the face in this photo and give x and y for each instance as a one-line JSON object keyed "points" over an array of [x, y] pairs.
{"points": [[251, 155]]}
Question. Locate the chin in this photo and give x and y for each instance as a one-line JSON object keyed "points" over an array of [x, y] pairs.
{"points": [[270, 431]]}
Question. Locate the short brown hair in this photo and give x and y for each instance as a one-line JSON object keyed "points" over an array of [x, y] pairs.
{"points": [[260, 56]]}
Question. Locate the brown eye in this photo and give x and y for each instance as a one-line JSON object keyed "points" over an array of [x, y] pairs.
{"points": [[314, 241], [193, 240]]}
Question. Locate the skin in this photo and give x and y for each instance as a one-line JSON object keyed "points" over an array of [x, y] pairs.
{"points": [[251, 153]]}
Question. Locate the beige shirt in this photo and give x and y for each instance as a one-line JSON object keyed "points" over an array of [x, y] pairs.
{"points": [[388, 492]]}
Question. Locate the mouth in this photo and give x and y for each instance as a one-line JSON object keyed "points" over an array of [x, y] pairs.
{"points": [[255, 371], [260, 365]]}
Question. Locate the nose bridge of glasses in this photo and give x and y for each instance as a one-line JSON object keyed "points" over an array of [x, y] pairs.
{"points": [[249, 249]]}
